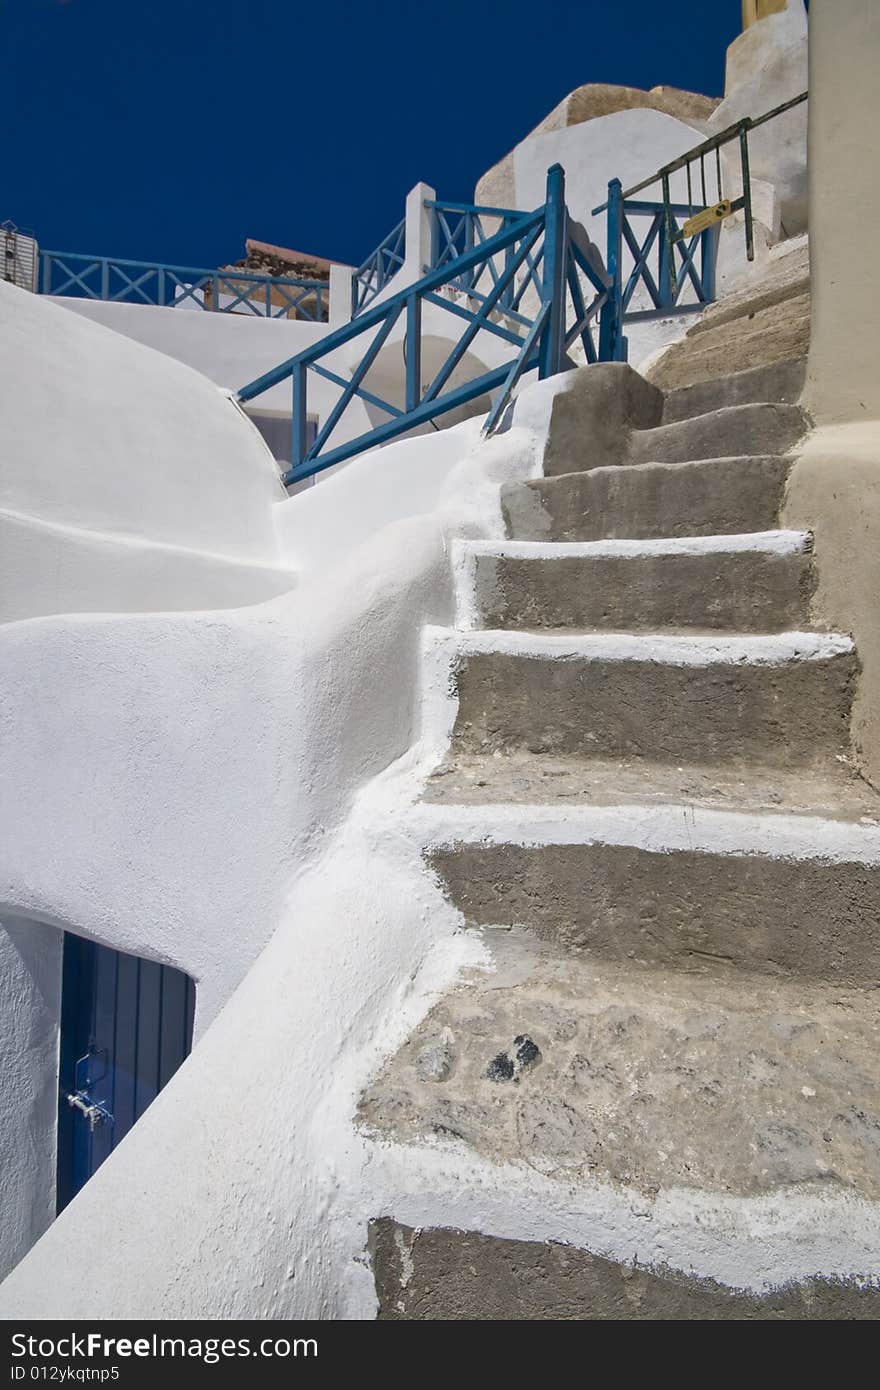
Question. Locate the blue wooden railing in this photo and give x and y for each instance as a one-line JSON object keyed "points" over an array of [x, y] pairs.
{"points": [[676, 284], [379, 267], [175, 286], [458, 228], [536, 284]]}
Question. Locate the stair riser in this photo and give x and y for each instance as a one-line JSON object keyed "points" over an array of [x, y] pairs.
{"points": [[747, 591], [723, 497], [790, 715], [757, 428], [685, 910], [452, 1275], [782, 382], [743, 430]]}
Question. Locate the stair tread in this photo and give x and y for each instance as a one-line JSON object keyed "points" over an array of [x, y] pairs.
{"points": [[685, 648], [776, 542], [644, 466], [651, 1078], [525, 779]]}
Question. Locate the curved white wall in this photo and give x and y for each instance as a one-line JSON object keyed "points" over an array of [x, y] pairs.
{"points": [[30, 1007], [127, 481], [211, 760], [103, 433]]}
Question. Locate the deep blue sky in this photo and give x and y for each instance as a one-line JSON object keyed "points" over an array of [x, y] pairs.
{"points": [[172, 129]]}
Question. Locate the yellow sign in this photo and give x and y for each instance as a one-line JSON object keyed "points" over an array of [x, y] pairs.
{"points": [[707, 218]]}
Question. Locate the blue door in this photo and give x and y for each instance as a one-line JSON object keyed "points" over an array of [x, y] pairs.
{"points": [[126, 1026]]}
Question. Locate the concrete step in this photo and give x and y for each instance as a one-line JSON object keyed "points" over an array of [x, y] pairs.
{"points": [[712, 867], [781, 382], [785, 699], [787, 278], [678, 885], [724, 1084], [715, 349], [754, 583], [717, 497], [756, 428], [520, 778], [644, 1118], [424, 1273]]}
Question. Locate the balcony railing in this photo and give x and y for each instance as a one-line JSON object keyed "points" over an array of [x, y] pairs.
{"points": [[380, 266], [183, 287]]}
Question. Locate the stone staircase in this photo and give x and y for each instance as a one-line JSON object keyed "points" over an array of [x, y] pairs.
{"points": [[648, 809]]}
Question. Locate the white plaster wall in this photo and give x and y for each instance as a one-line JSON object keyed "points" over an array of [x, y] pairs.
{"points": [[210, 761], [99, 432], [229, 349], [30, 1011], [49, 569]]}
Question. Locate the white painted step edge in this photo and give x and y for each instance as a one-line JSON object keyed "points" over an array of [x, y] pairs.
{"points": [[756, 542], [661, 829], [774, 649]]}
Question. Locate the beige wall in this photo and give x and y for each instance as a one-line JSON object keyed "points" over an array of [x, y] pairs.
{"points": [[834, 488], [843, 379], [753, 10], [834, 491]]}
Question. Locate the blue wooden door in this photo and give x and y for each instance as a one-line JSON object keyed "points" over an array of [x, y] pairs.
{"points": [[126, 1026]]}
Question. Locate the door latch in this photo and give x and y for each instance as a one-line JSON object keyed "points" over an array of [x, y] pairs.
{"points": [[94, 1111]]}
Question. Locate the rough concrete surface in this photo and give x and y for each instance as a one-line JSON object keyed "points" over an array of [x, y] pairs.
{"points": [[581, 1069], [775, 334], [793, 713], [691, 910], [757, 428], [776, 381], [448, 1275], [591, 420], [748, 591], [527, 779], [724, 496]]}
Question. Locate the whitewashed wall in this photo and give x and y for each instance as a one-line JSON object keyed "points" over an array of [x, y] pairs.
{"points": [[30, 1006], [127, 481]]}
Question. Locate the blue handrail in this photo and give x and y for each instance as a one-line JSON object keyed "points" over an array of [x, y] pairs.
{"points": [[533, 284], [173, 286]]}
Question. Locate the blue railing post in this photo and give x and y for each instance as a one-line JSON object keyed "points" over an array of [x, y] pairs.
{"points": [[105, 279], [612, 345], [299, 415], [668, 277], [553, 337], [413, 351]]}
